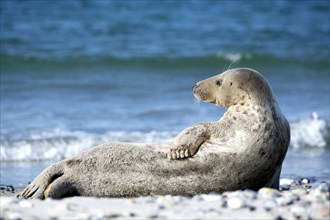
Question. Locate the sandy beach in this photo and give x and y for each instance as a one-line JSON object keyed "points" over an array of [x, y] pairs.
{"points": [[299, 201]]}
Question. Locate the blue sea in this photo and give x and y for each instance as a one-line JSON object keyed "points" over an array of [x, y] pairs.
{"points": [[75, 74]]}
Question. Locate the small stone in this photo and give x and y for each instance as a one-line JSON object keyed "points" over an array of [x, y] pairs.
{"points": [[211, 197], [235, 203], [153, 216], [132, 200], [8, 188], [299, 191], [304, 181], [25, 204], [323, 187], [160, 199], [237, 193], [307, 187], [269, 205], [249, 194], [285, 187], [197, 198], [177, 198], [84, 216], [252, 208], [285, 181], [7, 201], [168, 197], [97, 216], [299, 212], [325, 212], [293, 196], [278, 217], [269, 192], [13, 215], [284, 201], [112, 215], [150, 199]]}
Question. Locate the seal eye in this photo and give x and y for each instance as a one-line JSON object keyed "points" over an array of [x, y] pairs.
{"points": [[218, 82]]}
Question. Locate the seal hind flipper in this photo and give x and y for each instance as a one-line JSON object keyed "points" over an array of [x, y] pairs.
{"points": [[36, 189], [59, 188]]}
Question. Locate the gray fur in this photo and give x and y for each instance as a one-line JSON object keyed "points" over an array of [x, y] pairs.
{"points": [[243, 150]]}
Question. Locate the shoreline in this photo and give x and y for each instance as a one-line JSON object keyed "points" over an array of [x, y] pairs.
{"points": [[298, 202]]}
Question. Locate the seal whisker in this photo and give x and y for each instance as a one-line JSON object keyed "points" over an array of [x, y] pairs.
{"points": [[231, 64], [224, 68]]}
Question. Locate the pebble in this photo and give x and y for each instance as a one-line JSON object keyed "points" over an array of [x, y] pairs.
{"points": [[269, 192], [304, 181], [267, 203], [8, 188], [112, 215], [249, 194], [198, 198], [284, 201], [14, 216], [210, 197], [285, 181], [8, 201], [235, 203], [299, 212], [300, 191], [323, 187], [25, 204], [150, 199], [285, 187]]}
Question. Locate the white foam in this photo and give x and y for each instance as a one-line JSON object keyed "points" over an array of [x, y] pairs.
{"points": [[58, 144], [310, 132], [233, 57]]}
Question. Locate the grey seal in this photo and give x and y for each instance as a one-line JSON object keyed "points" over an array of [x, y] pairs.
{"points": [[243, 150]]}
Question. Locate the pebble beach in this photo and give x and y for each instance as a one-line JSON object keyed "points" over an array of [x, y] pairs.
{"points": [[76, 74], [295, 200]]}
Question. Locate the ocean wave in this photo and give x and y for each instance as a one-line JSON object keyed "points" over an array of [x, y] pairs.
{"points": [[310, 132], [58, 144], [28, 63]]}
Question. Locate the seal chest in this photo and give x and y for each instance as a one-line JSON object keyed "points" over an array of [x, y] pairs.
{"points": [[253, 128]]}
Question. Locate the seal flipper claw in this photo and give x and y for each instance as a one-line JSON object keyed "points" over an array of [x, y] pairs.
{"points": [[186, 153], [187, 143], [31, 191], [182, 153]]}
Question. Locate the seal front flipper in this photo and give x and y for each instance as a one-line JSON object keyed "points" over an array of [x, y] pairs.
{"points": [[187, 143], [36, 189]]}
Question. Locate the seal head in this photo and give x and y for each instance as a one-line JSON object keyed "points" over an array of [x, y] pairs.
{"points": [[233, 87]]}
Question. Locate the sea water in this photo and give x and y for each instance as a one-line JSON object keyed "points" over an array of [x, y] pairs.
{"points": [[75, 74]]}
